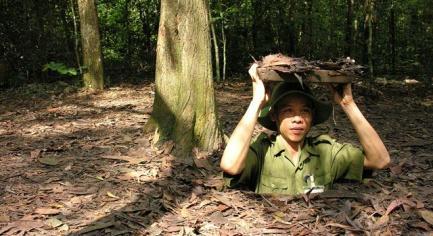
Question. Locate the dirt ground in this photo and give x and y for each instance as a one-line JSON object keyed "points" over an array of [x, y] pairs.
{"points": [[76, 163]]}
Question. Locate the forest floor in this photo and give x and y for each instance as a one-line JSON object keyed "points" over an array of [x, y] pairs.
{"points": [[77, 163]]}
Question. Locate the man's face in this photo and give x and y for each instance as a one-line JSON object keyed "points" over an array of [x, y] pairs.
{"points": [[294, 118]]}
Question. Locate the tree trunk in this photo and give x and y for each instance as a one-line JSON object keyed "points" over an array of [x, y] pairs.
{"points": [[307, 29], [224, 39], [184, 107], [93, 75], [349, 28], [76, 39], [69, 42]]}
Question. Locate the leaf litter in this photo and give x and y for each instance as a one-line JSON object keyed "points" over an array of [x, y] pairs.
{"points": [[79, 164]]}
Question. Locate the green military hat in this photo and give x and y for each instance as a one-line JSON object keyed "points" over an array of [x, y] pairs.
{"points": [[322, 110]]}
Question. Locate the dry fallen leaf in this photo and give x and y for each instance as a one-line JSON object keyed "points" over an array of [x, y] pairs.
{"points": [[97, 226], [111, 195], [131, 160], [63, 228], [49, 160], [35, 153], [184, 212], [4, 218], [21, 227], [381, 221], [200, 159], [426, 215], [47, 211], [393, 205], [53, 222]]}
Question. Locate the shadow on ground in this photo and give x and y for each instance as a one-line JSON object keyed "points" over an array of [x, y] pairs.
{"points": [[78, 164]]}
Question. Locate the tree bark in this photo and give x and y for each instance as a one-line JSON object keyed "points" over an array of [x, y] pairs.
{"points": [[93, 75], [184, 108]]}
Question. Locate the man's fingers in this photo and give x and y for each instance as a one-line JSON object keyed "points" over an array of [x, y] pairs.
{"points": [[253, 71]]}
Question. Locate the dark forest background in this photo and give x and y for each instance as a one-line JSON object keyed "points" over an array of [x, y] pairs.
{"points": [[394, 39]]}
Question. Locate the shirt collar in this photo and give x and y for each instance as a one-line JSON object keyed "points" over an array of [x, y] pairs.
{"points": [[306, 151]]}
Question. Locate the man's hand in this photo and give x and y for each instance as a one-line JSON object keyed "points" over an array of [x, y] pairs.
{"points": [[260, 92], [342, 94]]}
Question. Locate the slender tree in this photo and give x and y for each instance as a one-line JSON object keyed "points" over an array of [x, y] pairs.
{"points": [[224, 41], [369, 6], [349, 28], [93, 75], [184, 107], [392, 36], [216, 48]]}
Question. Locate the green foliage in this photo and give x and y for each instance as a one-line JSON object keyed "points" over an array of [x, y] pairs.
{"points": [[33, 34], [60, 68]]}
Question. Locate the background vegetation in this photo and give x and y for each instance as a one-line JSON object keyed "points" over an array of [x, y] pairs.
{"points": [[34, 33]]}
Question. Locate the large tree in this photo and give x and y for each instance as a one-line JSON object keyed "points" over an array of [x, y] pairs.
{"points": [[184, 107], [93, 75]]}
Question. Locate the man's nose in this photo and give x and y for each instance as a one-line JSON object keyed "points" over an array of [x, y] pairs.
{"points": [[297, 119]]}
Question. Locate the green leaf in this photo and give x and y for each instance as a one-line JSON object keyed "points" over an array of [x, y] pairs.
{"points": [[59, 68]]}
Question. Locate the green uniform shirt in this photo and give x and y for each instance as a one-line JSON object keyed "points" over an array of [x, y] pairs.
{"points": [[269, 169]]}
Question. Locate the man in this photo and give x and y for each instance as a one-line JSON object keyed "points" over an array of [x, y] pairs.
{"points": [[291, 162]]}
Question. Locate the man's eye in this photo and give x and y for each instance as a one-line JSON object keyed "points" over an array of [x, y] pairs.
{"points": [[306, 111]]}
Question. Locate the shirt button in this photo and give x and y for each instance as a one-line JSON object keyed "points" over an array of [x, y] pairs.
{"points": [[273, 185]]}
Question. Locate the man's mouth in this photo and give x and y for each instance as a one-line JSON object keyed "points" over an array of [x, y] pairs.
{"points": [[297, 130]]}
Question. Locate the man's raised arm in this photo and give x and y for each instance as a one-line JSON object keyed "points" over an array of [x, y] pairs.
{"points": [[235, 153], [376, 154]]}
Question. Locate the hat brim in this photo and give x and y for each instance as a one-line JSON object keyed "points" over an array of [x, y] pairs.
{"points": [[322, 110]]}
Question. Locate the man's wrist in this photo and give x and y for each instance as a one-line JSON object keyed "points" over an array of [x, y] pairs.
{"points": [[256, 103], [349, 106]]}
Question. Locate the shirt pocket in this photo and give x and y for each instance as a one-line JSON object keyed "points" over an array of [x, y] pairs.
{"points": [[273, 184]]}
